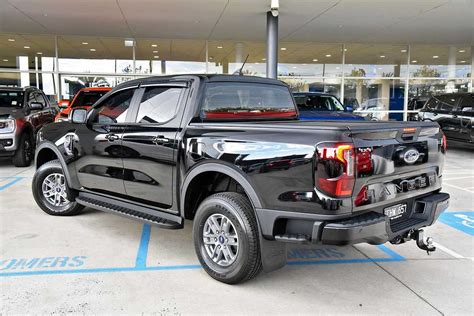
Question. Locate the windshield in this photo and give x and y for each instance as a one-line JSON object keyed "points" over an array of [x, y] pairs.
{"points": [[11, 99], [226, 100], [87, 98], [318, 103]]}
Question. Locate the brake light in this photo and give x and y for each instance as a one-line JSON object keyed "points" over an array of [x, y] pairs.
{"points": [[364, 161], [444, 143], [335, 169]]}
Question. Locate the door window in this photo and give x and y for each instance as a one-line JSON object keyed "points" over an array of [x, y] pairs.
{"points": [[114, 109], [158, 105], [40, 99], [447, 102], [467, 104]]}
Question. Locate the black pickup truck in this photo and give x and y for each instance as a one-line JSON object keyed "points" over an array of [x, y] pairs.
{"points": [[230, 153]]}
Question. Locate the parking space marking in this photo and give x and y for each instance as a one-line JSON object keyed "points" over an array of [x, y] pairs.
{"points": [[448, 251], [12, 181], [462, 221], [142, 253], [456, 187]]}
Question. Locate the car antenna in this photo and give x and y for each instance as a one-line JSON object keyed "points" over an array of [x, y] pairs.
{"points": [[239, 72]]}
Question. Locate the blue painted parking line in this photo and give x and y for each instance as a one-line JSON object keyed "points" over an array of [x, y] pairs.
{"points": [[9, 182], [142, 254], [462, 221]]}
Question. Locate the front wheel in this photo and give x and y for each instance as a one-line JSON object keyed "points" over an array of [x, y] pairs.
{"points": [[50, 190], [226, 238]]}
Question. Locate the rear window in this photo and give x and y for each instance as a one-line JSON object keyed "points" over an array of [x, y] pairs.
{"points": [[11, 99], [87, 98], [225, 100]]}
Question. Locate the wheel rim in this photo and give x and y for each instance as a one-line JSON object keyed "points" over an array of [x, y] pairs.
{"points": [[54, 189], [220, 240]]}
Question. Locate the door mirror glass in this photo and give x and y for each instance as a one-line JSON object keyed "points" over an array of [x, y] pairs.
{"points": [[36, 106], [78, 116]]}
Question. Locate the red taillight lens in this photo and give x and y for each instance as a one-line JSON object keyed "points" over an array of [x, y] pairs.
{"points": [[335, 169], [444, 143], [364, 161], [361, 197]]}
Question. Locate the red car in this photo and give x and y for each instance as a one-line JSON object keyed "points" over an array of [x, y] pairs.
{"points": [[84, 98]]}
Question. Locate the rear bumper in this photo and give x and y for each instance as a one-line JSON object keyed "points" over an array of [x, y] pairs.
{"points": [[371, 227]]}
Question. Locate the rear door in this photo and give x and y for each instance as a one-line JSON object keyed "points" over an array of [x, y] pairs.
{"points": [[465, 113], [150, 145]]}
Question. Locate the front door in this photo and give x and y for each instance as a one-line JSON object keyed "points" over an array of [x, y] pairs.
{"points": [[150, 145], [99, 164]]}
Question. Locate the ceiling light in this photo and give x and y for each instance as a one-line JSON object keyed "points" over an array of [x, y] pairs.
{"points": [[210, 58], [328, 55], [462, 50], [274, 6], [156, 57], [27, 47], [11, 39], [92, 49], [462, 61], [283, 48], [403, 50], [154, 45], [129, 42], [5, 60], [264, 59], [85, 43], [414, 61], [39, 53], [435, 56], [345, 49], [382, 56], [220, 47], [315, 59], [155, 51]]}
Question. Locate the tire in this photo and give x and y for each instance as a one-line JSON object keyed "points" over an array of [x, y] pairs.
{"points": [[49, 178], [24, 152], [238, 263]]}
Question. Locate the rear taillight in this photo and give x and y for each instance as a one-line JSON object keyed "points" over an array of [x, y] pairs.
{"points": [[364, 161], [335, 169], [444, 143]]}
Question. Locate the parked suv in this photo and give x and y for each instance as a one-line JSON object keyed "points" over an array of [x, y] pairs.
{"points": [[454, 112], [23, 111], [85, 98], [230, 153]]}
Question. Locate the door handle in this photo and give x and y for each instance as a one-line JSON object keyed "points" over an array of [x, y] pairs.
{"points": [[112, 137], [159, 140]]}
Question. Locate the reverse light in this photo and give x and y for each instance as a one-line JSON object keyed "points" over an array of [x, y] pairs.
{"points": [[444, 143]]}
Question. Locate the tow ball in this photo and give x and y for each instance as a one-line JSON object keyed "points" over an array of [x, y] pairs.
{"points": [[424, 243]]}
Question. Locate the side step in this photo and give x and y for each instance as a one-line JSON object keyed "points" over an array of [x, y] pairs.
{"points": [[130, 210], [294, 238]]}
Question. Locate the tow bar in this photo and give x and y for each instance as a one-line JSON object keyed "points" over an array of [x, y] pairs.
{"points": [[424, 243]]}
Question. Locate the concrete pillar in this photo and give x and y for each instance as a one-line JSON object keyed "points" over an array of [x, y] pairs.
{"points": [[225, 66], [163, 67], [452, 62], [272, 45], [239, 54]]}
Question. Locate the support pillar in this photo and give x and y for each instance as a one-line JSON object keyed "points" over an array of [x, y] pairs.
{"points": [[272, 45]]}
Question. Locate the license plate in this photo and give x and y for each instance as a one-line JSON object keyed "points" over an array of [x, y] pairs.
{"points": [[395, 211]]}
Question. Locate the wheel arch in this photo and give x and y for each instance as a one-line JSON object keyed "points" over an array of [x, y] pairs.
{"points": [[46, 152], [192, 180]]}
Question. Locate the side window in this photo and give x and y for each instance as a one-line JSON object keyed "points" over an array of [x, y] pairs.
{"points": [[447, 102], [467, 104], [158, 105], [40, 99], [30, 97], [114, 109]]}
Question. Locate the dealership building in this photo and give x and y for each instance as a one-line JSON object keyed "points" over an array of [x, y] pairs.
{"points": [[374, 55]]}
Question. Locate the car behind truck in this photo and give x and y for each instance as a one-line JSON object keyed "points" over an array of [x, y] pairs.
{"points": [[230, 153]]}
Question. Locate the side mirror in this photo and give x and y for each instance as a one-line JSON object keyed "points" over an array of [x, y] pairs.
{"points": [[36, 106], [78, 116], [63, 104], [349, 108]]}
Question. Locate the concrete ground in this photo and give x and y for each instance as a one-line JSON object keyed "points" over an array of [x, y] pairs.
{"points": [[97, 263]]}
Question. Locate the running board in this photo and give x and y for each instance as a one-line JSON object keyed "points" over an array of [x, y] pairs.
{"points": [[130, 210]]}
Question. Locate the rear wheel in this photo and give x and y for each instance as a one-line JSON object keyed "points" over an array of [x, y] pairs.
{"points": [[24, 152], [50, 190], [226, 238]]}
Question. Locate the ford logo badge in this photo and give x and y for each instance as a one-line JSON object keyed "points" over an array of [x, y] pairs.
{"points": [[411, 156]]}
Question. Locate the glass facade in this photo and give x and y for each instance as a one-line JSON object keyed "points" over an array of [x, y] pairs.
{"points": [[378, 81]]}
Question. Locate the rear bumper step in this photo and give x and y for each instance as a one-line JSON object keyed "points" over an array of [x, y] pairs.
{"points": [[136, 212]]}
